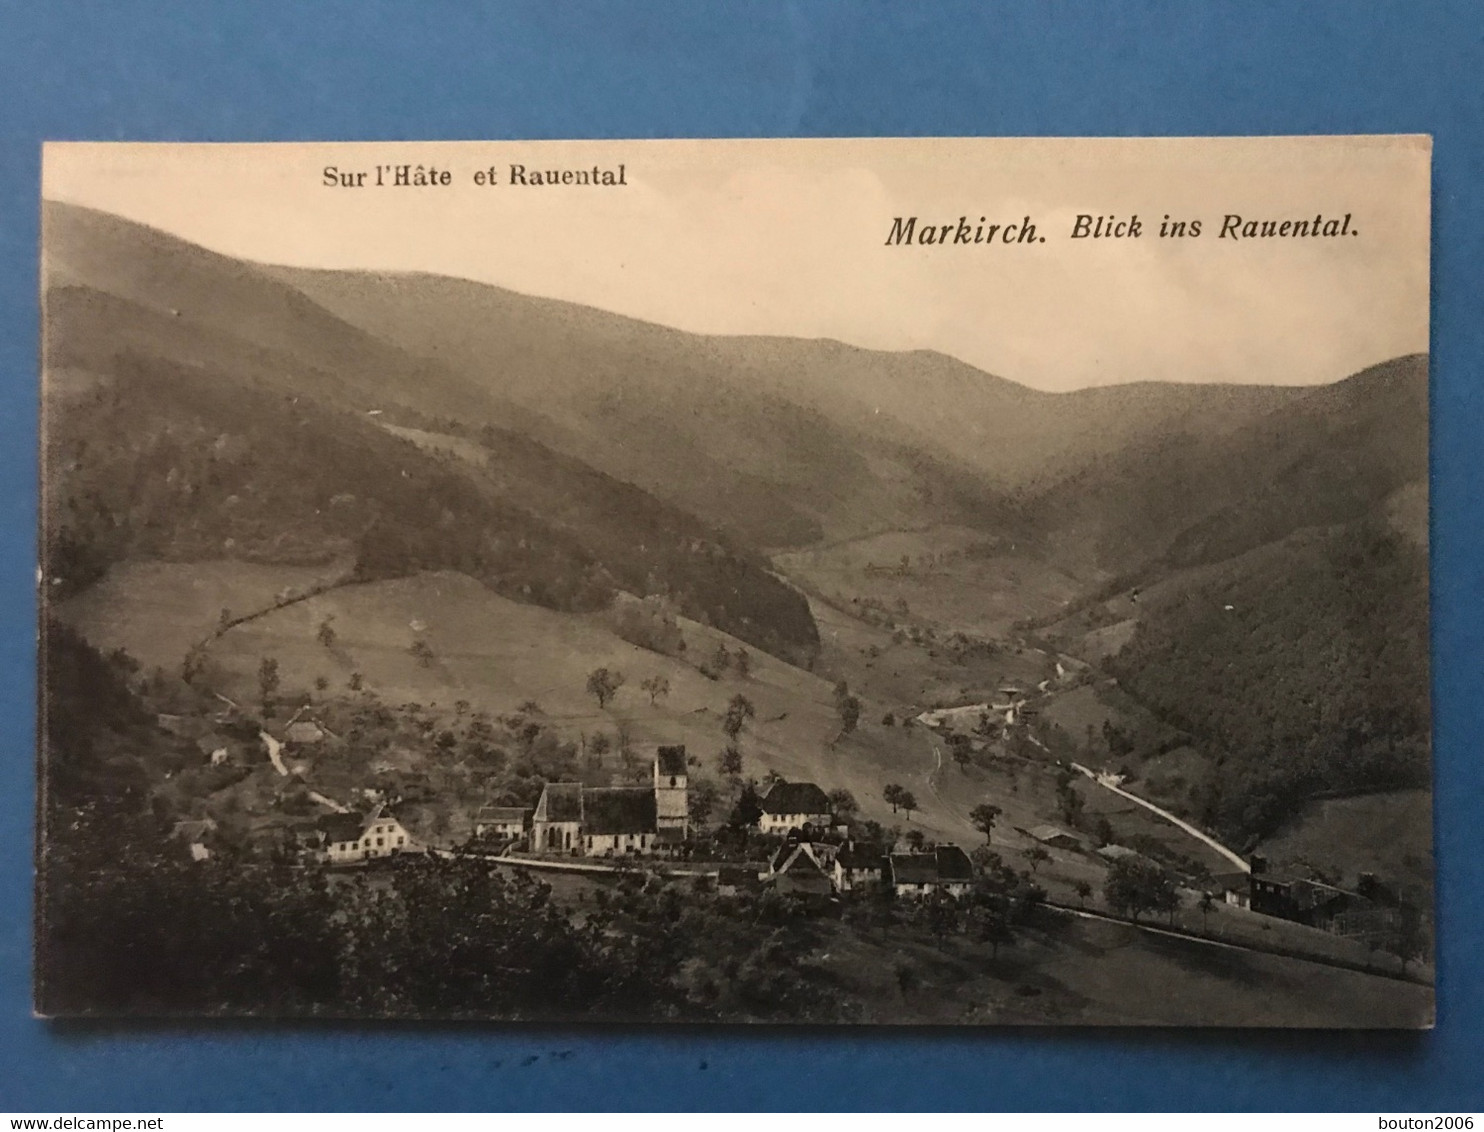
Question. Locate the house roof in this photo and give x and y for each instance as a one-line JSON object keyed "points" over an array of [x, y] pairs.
{"points": [[304, 731], [194, 830], [1231, 882], [796, 798], [856, 857], [1051, 833], [671, 760], [954, 864], [914, 868], [807, 882], [342, 827], [1116, 852], [502, 813], [947, 864], [794, 858], [608, 810], [560, 801]]}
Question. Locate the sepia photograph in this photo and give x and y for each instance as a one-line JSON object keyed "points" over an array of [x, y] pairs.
{"points": [[913, 582]]}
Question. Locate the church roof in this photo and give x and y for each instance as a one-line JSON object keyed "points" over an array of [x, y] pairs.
{"points": [[671, 760], [560, 801], [609, 810]]}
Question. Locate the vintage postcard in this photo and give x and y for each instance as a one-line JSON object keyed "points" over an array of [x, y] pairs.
{"points": [[914, 581]]}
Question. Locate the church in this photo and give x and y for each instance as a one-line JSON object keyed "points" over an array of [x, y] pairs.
{"points": [[609, 821]]}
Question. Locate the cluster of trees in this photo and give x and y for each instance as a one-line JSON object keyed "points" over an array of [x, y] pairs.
{"points": [[899, 798], [1135, 887]]}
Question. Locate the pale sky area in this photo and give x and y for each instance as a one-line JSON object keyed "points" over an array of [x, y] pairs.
{"points": [[789, 238]]}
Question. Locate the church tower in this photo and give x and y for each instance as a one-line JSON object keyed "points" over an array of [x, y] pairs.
{"points": [[672, 811]]}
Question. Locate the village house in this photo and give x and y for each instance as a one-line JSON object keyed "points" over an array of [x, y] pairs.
{"points": [[856, 866], [796, 870], [1370, 912], [944, 869], [1234, 888], [795, 805], [501, 821], [350, 838], [304, 733], [1055, 837], [611, 820]]}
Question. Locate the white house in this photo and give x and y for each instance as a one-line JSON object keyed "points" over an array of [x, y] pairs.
{"points": [[794, 805], [945, 869], [501, 821], [855, 866], [353, 837]]}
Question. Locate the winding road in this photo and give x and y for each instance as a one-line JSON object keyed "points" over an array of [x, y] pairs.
{"points": [[1108, 783]]}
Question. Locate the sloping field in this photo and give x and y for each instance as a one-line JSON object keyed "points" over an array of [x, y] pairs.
{"points": [[159, 610], [498, 654], [951, 577]]}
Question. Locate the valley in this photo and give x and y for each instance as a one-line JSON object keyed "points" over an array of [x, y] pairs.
{"points": [[345, 543]]}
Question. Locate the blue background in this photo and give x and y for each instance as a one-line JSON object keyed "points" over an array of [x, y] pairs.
{"points": [[360, 69]]}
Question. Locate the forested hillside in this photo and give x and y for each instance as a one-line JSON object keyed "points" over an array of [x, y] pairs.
{"points": [[1182, 497], [167, 461], [1303, 667]]}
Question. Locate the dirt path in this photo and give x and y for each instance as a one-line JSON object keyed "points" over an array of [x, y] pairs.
{"points": [[1108, 784]]}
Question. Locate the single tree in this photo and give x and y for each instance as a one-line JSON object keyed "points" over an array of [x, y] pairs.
{"points": [[748, 807], [224, 620], [738, 712], [423, 652], [906, 979], [356, 682], [992, 927], [892, 796], [983, 817], [1135, 886], [1083, 890], [844, 804], [849, 709], [325, 634], [656, 687], [742, 660], [962, 749], [599, 746], [603, 685], [321, 683], [1207, 905], [1036, 855], [268, 681], [701, 800], [731, 761]]}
